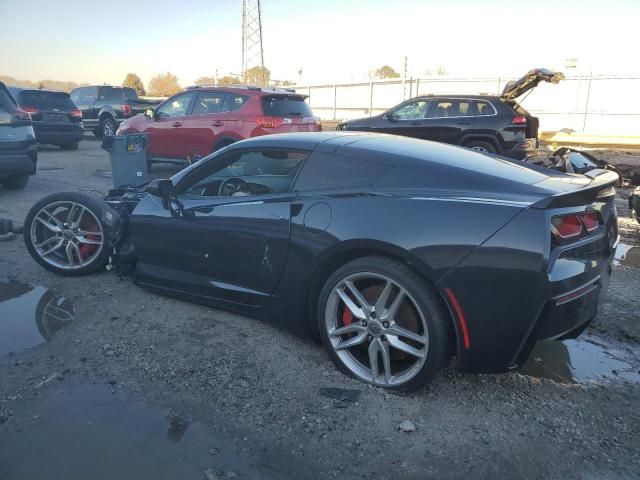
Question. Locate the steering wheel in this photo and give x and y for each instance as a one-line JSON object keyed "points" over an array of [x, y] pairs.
{"points": [[234, 187]]}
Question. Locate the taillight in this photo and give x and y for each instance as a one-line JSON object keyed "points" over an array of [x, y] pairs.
{"points": [[570, 226], [567, 226], [591, 221], [269, 122], [76, 113], [30, 109], [20, 116], [519, 120], [126, 109]]}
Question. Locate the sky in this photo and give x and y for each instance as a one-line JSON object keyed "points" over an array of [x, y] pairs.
{"points": [[330, 40]]}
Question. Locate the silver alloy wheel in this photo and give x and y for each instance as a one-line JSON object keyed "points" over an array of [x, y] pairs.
{"points": [[59, 231], [480, 149], [107, 128], [394, 354]]}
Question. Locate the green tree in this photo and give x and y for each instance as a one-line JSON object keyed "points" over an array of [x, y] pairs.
{"points": [[386, 72], [258, 76], [133, 81], [164, 85]]}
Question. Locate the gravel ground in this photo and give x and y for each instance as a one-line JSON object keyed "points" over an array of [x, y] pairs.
{"points": [[142, 386]]}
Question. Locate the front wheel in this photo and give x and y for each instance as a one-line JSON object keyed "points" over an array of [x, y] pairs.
{"points": [[382, 323], [64, 233]]}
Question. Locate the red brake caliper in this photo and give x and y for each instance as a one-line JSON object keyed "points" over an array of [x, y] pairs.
{"points": [[87, 248], [347, 319]]}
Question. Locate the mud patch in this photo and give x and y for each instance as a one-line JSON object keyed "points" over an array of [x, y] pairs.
{"points": [[577, 361], [30, 315], [86, 432]]}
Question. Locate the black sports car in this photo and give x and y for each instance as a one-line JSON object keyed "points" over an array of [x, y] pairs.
{"points": [[398, 253]]}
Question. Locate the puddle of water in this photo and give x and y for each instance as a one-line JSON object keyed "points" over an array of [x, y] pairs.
{"points": [[576, 361], [627, 255], [29, 315], [86, 432]]}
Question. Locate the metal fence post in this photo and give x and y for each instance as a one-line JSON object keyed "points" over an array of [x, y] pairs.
{"points": [[309, 94], [370, 97], [417, 87], [410, 87], [498, 92], [335, 100], [586, 103]]}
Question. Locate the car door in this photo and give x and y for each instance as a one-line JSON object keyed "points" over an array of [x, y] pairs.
{"points": [[448, 119], [406, 119], [206, 122], [225, 245], [167, 139]]}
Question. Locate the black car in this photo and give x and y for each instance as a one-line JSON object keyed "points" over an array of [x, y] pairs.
{"points": [[486, 123], [397, 253], [56, 119], [18, 148], [104, 108]]}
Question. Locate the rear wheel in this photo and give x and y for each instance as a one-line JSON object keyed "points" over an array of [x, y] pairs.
{"points": [[15, 182], [107, 126], [383, 324], [481, 146], [69, 146], [64, 233]]}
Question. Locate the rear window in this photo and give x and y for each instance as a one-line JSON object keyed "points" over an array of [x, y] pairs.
{"points": [[285, 106], [106, 94], [130, 94], [46, 100]]}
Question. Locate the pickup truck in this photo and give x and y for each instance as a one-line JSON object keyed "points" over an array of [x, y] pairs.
{"points": [[104, 108]]}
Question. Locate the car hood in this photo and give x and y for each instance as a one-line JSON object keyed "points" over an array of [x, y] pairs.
{"points": [[359, 122], [530, 81]]}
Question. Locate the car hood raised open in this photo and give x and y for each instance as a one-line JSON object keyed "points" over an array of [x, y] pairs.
{"points": [[529, 81]]}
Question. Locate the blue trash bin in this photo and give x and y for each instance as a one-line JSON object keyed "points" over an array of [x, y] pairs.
{"points": [[128, 155]]}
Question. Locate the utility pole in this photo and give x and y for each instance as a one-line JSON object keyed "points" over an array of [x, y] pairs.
{"points": [[404, 78], [252, 52]]}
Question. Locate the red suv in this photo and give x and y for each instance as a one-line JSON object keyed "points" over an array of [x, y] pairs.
{"points": [[201, 120]]}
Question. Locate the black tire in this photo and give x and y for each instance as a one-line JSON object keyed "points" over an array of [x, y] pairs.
{"points": [[481, 146], [426, 299], [107, 126], [69, 146], [15, 182], [92, 203]]}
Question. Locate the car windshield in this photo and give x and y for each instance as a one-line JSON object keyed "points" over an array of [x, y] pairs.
{"points": [[285, 106], [45, 100]]}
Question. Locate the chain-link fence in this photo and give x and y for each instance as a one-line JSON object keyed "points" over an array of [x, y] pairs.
{"points": [[597, 105]]}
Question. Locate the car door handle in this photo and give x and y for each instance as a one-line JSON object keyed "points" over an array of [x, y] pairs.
{"points": [[464, 123], [176, 124], [217, 124]]}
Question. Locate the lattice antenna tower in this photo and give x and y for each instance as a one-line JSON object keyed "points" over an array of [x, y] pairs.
{"points": [[252, 52]]}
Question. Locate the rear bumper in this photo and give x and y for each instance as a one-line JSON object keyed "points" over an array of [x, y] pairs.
{"points": [[58, 134], [18, 162], [523, 149]]}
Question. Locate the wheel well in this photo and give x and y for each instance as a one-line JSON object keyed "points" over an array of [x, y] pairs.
{"points": [[103, 115], [330, 265]]}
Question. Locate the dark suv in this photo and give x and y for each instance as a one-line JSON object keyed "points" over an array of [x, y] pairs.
{"points": [[18, 149], [56, 120], [487, 123], [200, 120], [105, 107]]}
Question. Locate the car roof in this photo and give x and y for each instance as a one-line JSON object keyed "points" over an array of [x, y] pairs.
{"points": [[477, 96], [38, 90], [246, 89]]}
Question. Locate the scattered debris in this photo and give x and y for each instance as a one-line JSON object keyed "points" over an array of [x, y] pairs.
{"points": [[210, 474], [47, 380], [342, 396], [407, 426]]}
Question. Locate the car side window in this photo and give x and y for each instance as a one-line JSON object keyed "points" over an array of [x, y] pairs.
{"points": [[175, 107], [484, 108], [209, 102], [412, 110], [248, 173], [236, 101], [450, 107]]}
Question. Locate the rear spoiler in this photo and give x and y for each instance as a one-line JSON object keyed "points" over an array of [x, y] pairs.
{"points": [[601, 188]]}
